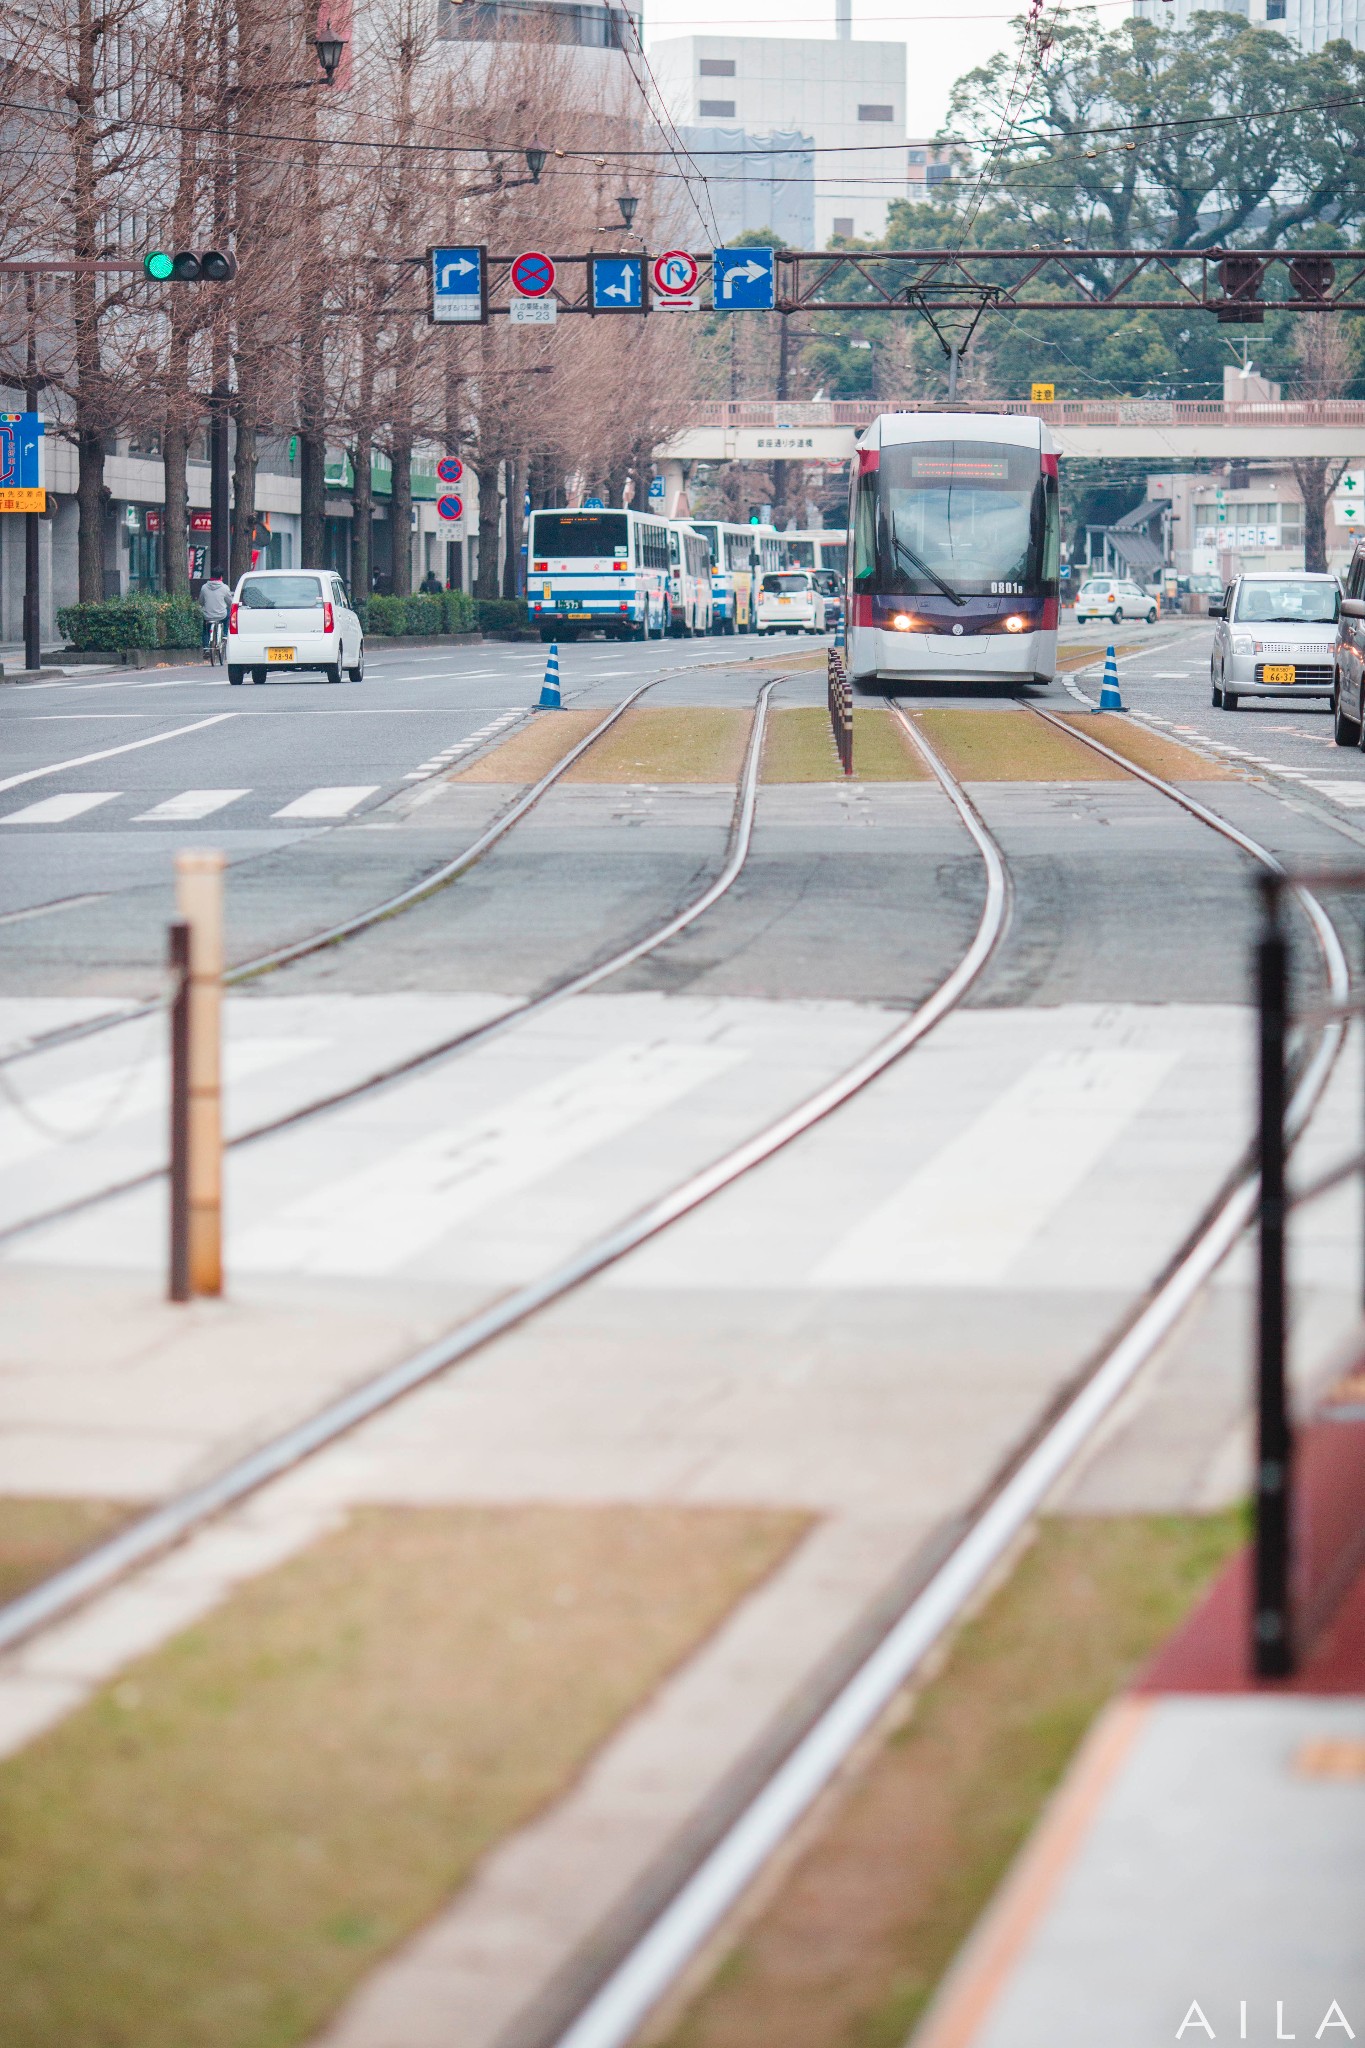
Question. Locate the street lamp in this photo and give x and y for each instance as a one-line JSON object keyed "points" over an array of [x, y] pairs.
{"points": [[330, 48], [535, 162], [628, 203]]}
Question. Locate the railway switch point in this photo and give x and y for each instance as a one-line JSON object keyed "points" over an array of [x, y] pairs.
{"points": [[1110, 700], [549, 689]]}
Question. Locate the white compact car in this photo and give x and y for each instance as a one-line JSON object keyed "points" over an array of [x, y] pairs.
{"points": [[292, 619], [1110, 597], [788, 602]]}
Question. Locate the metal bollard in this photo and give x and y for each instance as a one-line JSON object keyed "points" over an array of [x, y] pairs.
{"points": [[179, 936], [199, 899], [1272, 1647]]}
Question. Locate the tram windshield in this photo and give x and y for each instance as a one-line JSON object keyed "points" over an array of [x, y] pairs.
{"points": [[956, 519]]}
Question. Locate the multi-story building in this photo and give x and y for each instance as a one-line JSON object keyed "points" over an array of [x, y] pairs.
{"points": [[768, 182], [847, 97], [1311, 23]]}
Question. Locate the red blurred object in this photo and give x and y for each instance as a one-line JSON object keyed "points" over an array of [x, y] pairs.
{"points": [[232, 620], [326, 615]]}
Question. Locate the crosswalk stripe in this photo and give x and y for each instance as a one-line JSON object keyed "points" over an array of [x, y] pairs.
{"points": [[328, 803], [191, 803], [55, 810]]}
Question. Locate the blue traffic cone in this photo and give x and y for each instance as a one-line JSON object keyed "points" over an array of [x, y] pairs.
{"points": [[549, 689], [1110, 699]]}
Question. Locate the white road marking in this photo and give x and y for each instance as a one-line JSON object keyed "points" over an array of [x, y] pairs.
{"points": [[55, 810], [964, 1217], [107, 753], [1350, 795], [191, 803], [377, 1219], [329, 803], [64, 1115]]}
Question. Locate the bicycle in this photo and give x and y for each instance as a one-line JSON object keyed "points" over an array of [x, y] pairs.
{"points": [[217, 647]]}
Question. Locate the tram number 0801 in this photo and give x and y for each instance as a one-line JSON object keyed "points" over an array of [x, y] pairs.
{"points": [[1007, 590]]}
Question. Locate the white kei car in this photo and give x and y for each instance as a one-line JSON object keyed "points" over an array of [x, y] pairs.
{"points": [[292, 619], [788, 602], [1111, 597]]}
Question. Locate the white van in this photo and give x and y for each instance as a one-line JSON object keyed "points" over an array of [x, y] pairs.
{"points": [[788, 602]]}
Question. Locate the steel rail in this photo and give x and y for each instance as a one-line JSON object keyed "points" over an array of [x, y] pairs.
{"points": [[741, 834], [391, 906], [613, 2014], [169, 1524]]}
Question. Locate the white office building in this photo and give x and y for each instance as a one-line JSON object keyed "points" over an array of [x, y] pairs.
{"points": [[847, 97], [1310, 23]]}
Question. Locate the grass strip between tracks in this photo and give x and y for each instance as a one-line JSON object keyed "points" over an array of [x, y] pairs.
{"points": [[38, 1536], [216, 1848], [867, 1914], [1148, 749], [800, 748], [1006, 745]]}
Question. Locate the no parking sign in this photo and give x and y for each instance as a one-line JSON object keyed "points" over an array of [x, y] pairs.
{"points": [[450, 507]]}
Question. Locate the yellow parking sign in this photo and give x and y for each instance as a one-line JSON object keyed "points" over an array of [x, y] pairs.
{"points": [[1043, 394]]}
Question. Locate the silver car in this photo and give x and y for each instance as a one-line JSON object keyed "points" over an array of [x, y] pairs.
{"points": [[1275, 637]]}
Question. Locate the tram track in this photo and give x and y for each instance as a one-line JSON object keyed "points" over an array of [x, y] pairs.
{"points": [[394, 905], [648, 1959], [520, 1012], [651, 1963]]}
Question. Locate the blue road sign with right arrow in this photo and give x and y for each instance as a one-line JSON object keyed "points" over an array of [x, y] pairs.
{"points": [[459, 284], [743, 280]]}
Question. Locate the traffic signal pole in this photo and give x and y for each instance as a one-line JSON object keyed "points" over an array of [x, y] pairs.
{"points": [[33, 618]]}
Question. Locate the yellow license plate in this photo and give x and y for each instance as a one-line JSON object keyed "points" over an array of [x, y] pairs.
{"points": [[279, 654], [1279, 672]]}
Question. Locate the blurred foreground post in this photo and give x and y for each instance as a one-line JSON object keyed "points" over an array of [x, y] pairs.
{"points": [[179, 936], [1272, 1645], [199, 900]]}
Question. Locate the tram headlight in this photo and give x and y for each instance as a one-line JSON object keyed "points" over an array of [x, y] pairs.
{"points": [[902, 622], [1016, 623]]}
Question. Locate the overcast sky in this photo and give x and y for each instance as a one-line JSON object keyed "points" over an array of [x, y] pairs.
{"points": [[941, 42]]}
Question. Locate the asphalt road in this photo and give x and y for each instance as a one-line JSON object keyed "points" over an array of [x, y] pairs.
{"points": [[322, 796]]}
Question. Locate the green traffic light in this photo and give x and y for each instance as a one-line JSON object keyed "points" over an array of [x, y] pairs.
{"points": [[158, 265]]}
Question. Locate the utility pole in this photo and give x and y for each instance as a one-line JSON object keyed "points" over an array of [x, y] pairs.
{"points": [[33, 638]]}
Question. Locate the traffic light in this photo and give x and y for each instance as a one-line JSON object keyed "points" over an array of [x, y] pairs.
{"points": [[213, 266], [755, 516]]}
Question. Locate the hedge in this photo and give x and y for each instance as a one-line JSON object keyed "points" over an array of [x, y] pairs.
{"points": [[138, 621], [446, 611], [502, 614]]}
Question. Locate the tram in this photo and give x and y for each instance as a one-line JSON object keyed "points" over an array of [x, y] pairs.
{"points": [[954, 548]]}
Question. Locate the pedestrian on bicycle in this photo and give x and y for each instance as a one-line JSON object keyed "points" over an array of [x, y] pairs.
{"points": [[215, 600]]}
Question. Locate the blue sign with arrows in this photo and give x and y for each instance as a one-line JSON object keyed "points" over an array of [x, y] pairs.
{"points": [[743, 280], [459, 284], [616, 284]]}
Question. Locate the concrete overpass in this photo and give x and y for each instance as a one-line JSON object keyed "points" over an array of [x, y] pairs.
{"points": [[1164, 431]]}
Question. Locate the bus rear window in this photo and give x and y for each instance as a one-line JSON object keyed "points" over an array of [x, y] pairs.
{"points": [[571, 534]]}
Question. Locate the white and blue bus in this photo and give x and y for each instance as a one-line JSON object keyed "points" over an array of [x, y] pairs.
{"points": [[689, 578], [600, 570], [818, 547], [733, 573]]}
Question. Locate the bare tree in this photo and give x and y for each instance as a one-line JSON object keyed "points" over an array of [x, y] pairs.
{"points": [[1325, 363]]}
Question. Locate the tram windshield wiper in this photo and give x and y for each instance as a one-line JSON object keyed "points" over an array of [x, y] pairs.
{"points": [[918, 562]]}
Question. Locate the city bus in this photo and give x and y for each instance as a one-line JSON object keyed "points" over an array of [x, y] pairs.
{"points": [[732, 571], [956, 541], [689, 555], [600, 570], [819, 547]]}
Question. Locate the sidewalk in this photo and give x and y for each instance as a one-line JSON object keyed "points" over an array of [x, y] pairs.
{"points": [[1201, 1872]]}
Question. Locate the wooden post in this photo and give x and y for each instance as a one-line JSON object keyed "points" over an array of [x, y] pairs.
{"points": [[199, 900]]}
